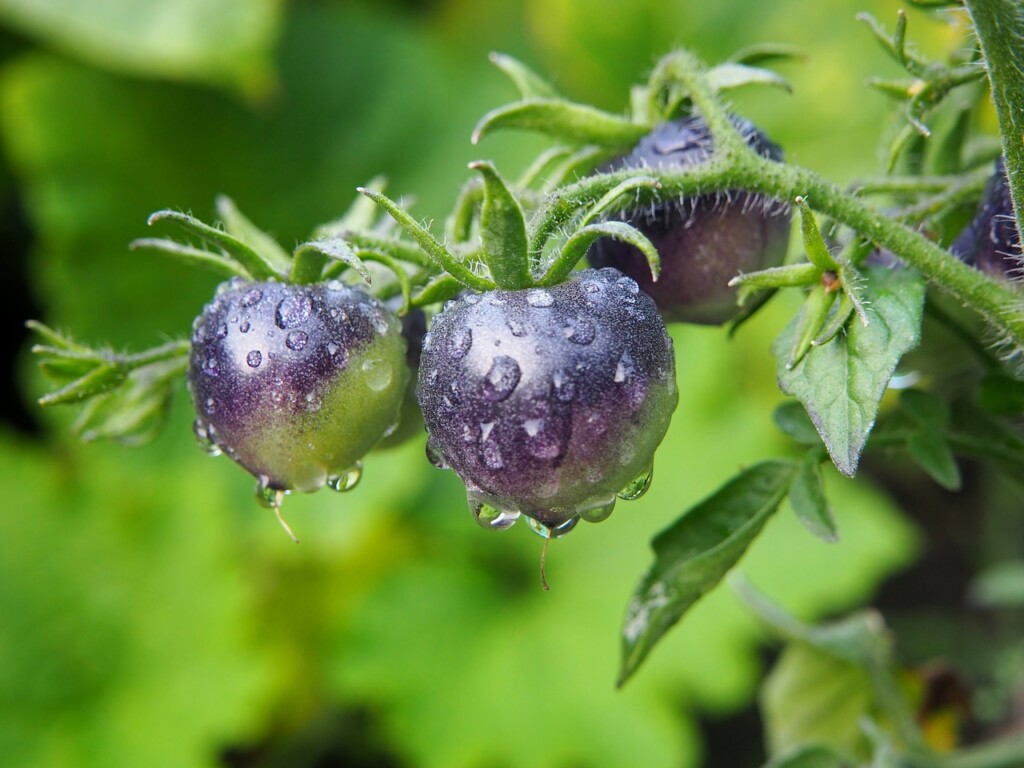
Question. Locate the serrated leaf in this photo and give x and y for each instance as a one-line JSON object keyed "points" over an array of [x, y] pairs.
{"points": [[730, 75], [930, 451], [807, 497], [842, 382], [564, 121], [695, 553]]}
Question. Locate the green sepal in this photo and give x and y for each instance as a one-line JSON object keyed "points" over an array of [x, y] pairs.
{"points": [[731, 75], [788, 276], [814, 244], [239, 225], [576, 165], [191, 257], [609, 200], [437, 252], [836, 321], [503, 232], [311, 258], [575, 248], [761, 52], [459, 225], [441, 288], [809, 323], [564, 121], [256, 264], [361, 214], [530, 84]]}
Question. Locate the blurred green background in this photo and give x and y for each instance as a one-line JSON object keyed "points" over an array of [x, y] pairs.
{"points": [[152, 614]]}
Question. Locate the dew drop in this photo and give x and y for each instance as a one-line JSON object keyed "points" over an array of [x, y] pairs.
{"points": [[293, 311], [638, 486], [222, 331], [564, 387], [377, 374], [254, 358], [597, 510], [252, 298], [580, 332], [554, 531], [628, 284], [434, 455], [210, 406], [266, 494], [624, 370], [335, 285], [486, 428], [332, 348], [205, 435], [470, 299], [460, 343], [591, 286], [431, 379], [518, 329], [380, 325], [538, 297], [347, 480], [296, 340], [210, 366], [489, 516], [244, 327], [490, 455], [501, 379]]}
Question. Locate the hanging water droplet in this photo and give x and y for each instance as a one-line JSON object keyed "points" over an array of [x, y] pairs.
{"points": [[266, 495], [489, 516], [538, 297], [624, 370], [296, 341], [434, 455], [252, 298], [347, 480], [378, 374], [597, 510], [293, 311], [580, 332], [501, 379], [254, 358], [638, 486], [460, 343], [205, 435], [552, 532]]}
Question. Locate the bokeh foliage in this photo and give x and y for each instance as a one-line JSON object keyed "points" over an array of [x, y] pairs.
{"points": [[154, 615]]}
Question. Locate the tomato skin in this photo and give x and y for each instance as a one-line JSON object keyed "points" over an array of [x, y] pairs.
{"points": [[296, 382], [703, 241], [548, 401]]}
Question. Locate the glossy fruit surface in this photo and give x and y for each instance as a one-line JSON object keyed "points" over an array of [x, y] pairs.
{"points": [[703, 242], [296, 382], [549, 402], [991, 243]]}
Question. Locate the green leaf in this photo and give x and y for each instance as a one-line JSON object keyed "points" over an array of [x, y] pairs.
{"points": [[930, 451], [809, 322], [503, 232], [226, 43], [999, 25], [530, 84], [792, 419], [731, 75], [807, 497], [693, 555], [564, 121], [842, 382]]}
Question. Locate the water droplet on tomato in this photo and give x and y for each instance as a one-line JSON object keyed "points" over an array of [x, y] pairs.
{"points": [[502, 379]]}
